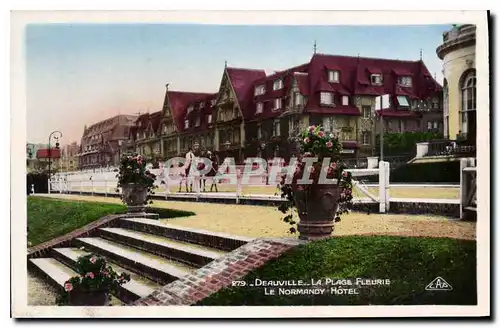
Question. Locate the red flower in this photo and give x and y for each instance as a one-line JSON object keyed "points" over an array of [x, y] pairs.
{"points": [[344, 174], [329, 144], [333, 165], [68, 287]]}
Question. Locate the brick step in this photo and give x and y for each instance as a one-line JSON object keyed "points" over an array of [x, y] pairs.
{"points": [[156, 268], [56, 273], [214, 240], [190, 254], [136, 288]]}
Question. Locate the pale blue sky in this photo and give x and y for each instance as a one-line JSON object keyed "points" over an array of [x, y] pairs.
{"points": [[79, 74]]}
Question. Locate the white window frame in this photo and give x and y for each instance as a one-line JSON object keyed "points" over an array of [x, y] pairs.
{"points": [[345, 100], [326, 98], [333, 76], [259, 108], [405, 81], [186, 124], [209, 119], [202, 104], [276, 128], [403, 99], [429, 125], [213, 102], [366, 110], [278, 104], [197, 122], [365, 138], [297, 98], [278, 84], [435, 125], [259, 131], [376, 79], [260, 90]]}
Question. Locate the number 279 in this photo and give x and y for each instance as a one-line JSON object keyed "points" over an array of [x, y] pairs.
{"points": [[238, 283]]}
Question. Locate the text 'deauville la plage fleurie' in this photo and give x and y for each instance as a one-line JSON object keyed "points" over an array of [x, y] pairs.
{"points": [[314, 286]]}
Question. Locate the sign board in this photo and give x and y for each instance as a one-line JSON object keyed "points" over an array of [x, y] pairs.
{"points": [[382, 102]]}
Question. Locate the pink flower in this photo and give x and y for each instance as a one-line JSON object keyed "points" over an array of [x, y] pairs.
{"points": [[333, 165], [306, 140], [321, 134], [311, 169], [93, 260], [90, 275], [347, 191], [311, 128], [344, 174], [329, 144], [68, 287]]}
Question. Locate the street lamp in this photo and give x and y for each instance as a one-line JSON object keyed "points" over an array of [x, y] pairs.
{"points": [[54, 135], [29, 150]]}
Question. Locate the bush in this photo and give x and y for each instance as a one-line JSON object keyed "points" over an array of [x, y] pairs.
{"points": [[396, 144]]}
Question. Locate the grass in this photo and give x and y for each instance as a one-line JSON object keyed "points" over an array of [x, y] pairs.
{"points": [[49, 218], [409, 263], [266, 221]]}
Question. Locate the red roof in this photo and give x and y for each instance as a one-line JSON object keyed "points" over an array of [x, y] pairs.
{"points": [[179, 101], [243, 80], [48, 153], [201, 113]]}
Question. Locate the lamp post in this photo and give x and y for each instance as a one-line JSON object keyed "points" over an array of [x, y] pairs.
{"points": [[54, 135]]}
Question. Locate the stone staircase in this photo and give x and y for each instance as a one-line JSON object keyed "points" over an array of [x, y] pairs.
{"points": [[154, 253]]}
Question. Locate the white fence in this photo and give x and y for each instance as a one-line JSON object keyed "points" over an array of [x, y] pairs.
{"points": [[105, 182]]}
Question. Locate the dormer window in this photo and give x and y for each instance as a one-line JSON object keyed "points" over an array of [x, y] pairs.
{"points": [[333, 76], [326, 98], [404, 81], [186, 124], [278, 84], [277, 103], [403, 101], [260, 108], [260, 90], [435, 103], [164, 129], [345, 100], [209, 119], [190, 109], [197, 122], [376, 79]]}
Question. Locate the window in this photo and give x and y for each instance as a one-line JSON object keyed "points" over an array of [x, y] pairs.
{"points": [[278, 84], [401, 126], [202, 104], [366, 111], [297, 99], [345, 100], [197, 121], [376, 79], [186, 124], [329, 124], [468, 99], [259, 131], [260, 108], [429, 125], [405, 81], [277, 103], [435, 103], [260, 90], [435, 125], [403, 101], [326, 98], [276, 128], [213, 102], [366, 136], [209, 119], [190, 109], [333, 76]]}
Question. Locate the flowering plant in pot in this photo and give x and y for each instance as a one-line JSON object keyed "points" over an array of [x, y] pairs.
{"points": [[136, 181], [320, 189], [95, 281]]}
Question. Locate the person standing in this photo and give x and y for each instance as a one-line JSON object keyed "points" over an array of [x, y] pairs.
{"points": [[190, 158], [213, 171]]}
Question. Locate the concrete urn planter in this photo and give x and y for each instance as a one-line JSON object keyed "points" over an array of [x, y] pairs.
{"points": [[135, 195], [317, 208]]}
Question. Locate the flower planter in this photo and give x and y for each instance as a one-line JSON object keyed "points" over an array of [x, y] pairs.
{"points": [[317, 208], [88, 298], [135, 195]]}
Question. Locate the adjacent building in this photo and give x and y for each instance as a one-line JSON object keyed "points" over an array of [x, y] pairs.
{"points": [[69, 157], [458, 53], [101, 142]]}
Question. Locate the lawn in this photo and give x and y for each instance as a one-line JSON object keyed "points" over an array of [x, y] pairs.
{"points": [[50, 218], [410, 264], [265, 221]]}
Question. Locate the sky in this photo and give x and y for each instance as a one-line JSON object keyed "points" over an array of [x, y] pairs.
{"points": [[79, 74]]}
